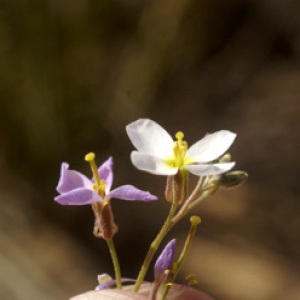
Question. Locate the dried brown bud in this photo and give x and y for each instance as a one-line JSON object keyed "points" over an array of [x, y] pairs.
{"points": [[104, 226]]}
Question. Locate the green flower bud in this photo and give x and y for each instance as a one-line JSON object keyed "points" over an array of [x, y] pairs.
{"points": [[232, 179]]}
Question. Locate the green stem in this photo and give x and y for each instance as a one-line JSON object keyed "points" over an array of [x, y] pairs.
{"points": [[153, 248], [188, 205], [195, 221], [115, 261]]}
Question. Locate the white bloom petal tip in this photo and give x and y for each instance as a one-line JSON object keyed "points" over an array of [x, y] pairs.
{"points": [[211, 147], [149, 137]]}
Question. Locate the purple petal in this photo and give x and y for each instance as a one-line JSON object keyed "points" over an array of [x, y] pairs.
{"points": [[106, 285], [165, 260], [106, 173], [70, 180], [129, 192], [81, 196]]}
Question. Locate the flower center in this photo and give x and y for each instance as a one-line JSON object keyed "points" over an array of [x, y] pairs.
{"points": [[179, 148]]}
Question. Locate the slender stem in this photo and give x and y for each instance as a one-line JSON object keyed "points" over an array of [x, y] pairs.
{"points": [[197, 189], [206, 193], [153, 248], [100, 189], [115, 261], [188, 206], [195, 221]]}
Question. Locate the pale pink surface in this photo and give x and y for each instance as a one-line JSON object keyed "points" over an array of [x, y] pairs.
{"points": [[144, 294]]}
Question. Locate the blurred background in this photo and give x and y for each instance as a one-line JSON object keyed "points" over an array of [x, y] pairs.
{"points": [[74, 73]]}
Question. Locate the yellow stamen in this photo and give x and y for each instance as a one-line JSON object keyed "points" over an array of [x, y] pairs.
{"points": [[193, 282], [101, 188], [99, 185], [167, 272], [95, 187], [190, 276], [179, 136], [179, 149]]}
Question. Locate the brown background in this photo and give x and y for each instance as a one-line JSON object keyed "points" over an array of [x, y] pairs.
{"points": [[74, 73]]}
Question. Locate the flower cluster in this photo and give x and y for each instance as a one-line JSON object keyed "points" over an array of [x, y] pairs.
{"points": [[156, 153]]}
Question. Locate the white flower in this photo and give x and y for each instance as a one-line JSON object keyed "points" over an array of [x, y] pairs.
{"points": [[157, 152]]}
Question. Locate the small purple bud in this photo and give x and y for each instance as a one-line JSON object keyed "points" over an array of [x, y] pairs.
{"points": [[164, 261], [106, 282]]}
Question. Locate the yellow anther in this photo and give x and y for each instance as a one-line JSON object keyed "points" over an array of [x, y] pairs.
{"points": [[90, 157], [193, 282], [195, 220], [101, 189], [179, 149], [167, 272], [180, 143], [190, 276], [101, 185], [95, 187]]}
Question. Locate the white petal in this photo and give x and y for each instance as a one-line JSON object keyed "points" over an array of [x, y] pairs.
{"points": [[149, 137], [211, 147], [151, 164], [210, 169]]}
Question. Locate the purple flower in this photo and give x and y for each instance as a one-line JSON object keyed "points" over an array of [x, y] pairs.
{"points": [[164, 262], [76, 189]]}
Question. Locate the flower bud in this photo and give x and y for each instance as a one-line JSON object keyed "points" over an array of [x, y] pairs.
{"points": [[164, 262], [232, 179]]}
